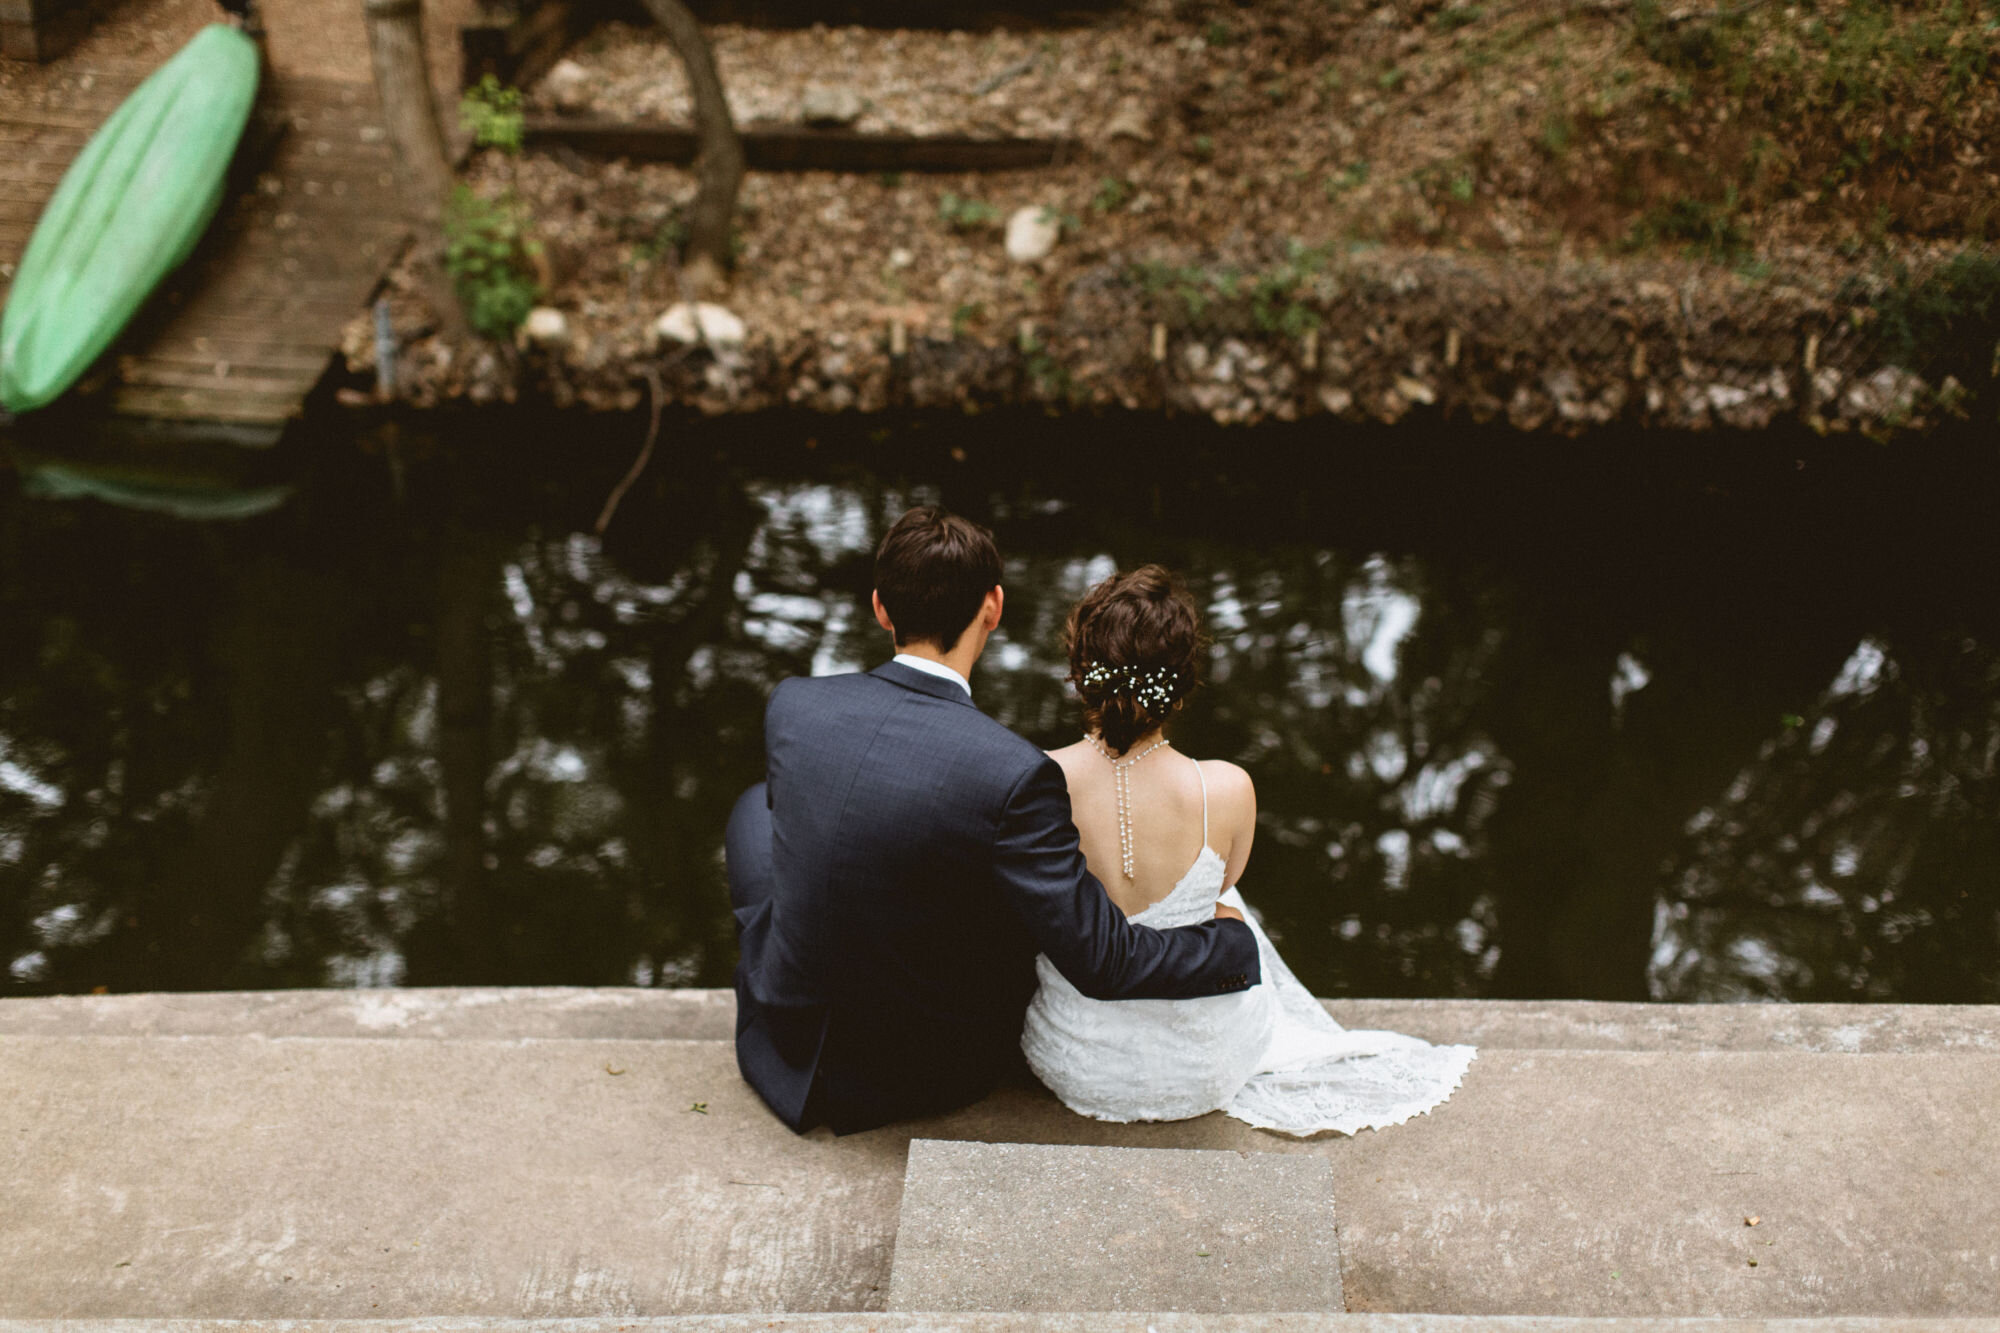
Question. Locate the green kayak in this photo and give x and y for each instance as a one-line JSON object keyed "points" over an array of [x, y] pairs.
{"points": [[127, 213]]}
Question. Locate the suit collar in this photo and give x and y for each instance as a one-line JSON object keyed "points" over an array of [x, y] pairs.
{"points": [[922, 682]]}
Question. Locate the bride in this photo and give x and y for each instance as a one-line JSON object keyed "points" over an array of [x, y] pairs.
{"points": [[1168, 835]]}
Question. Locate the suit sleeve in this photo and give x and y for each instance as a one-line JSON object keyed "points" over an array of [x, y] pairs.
{"points": [[1039, 868]]}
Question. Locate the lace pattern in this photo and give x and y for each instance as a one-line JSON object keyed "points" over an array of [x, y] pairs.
{"points": [[1270, 1056]]}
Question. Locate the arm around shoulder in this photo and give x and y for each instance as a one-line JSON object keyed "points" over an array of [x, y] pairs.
{"points": [[1038, 866]]}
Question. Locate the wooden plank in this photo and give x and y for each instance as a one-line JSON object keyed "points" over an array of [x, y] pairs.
{"points": [[800, 149], [244, 362], [148, 373], [193, 405]]}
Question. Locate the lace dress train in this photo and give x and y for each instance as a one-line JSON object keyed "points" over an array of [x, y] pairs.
{"points": [[1270, 1056]]}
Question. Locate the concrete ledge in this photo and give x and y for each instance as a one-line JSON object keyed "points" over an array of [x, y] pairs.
{"points": [[1013, 1323], [639, 1014], [1045, 1227], [324, 1178]]}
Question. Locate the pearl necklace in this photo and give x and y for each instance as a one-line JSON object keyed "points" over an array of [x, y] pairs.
{"points": [[1121, 782]]}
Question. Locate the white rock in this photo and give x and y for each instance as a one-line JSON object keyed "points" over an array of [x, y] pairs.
{"points": [[568, 86], [1129, 121], [826, 104], [1032, 233], [901, 258], [545, 326], [684, 323]]}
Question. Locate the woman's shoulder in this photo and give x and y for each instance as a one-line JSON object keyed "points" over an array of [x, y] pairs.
{"points": [[1070, 757], [1226, 779]]}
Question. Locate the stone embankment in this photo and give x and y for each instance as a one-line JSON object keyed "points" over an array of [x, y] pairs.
{"points": [[590, 1159], [1377, 336]]}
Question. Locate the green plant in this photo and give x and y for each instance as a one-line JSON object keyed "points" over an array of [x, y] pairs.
{"points": [[965, 214], [1461, 187], [1558, 133], [1204, 147], [490, 257], [1352, 176], [491, 113], [1267, 300], [1454, 17], [1391, 80], [1707, 230], [965, 315], [1218, 33], [1112, 194], [1946, 322]]}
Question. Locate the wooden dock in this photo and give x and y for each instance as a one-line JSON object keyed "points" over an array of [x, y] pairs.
{"points": [[241, 336]]}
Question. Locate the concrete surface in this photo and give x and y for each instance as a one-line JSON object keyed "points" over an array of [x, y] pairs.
{"points": [[1042, 1227], [642, 1014], [1017, 1323], [274, 1177]]}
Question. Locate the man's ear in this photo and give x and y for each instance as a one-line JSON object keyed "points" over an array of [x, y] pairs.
{"points": [[882, 613], [996, 601]]}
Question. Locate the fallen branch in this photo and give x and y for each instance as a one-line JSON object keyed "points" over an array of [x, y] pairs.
{"points": [[659, 402]]}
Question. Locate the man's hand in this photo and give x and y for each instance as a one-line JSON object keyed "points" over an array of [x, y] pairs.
{"points": [[1223, 912]]}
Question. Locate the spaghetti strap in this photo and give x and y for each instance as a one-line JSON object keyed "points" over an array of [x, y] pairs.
{"points": [[1204, 800]]}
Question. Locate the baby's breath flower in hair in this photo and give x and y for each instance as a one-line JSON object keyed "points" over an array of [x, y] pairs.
{"points": [[1155, 688]]}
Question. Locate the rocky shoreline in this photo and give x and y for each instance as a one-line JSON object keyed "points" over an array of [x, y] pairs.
{"points": [[1374, 336]]}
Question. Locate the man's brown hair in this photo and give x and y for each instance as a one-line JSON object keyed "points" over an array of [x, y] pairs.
{"points": [[932, 572]]}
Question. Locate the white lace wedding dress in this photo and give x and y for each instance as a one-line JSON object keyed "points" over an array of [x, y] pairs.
{"points": [[1270, 1055]]}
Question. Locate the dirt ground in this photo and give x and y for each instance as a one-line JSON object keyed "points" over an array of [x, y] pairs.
{"points": [[1559, 213]]}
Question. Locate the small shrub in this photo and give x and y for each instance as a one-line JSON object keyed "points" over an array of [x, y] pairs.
{"points": [[1947, 322], [490, 257], [491, 113]]}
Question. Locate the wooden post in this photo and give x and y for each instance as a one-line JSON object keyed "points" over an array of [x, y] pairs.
{"points": [[409, 112], [721, 165], [423, 158]]}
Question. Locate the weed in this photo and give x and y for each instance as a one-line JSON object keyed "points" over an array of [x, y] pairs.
{"points": [[1218, 33], [1267, 300], [1204, 148], [1391, 80], [1113, 193], [1558, 133], [490, 256], [1706, 230], [1351, 177], [1945, 323], [964, 214], [491, 113], [1462, 185], [965, 315], [1454, 17]]}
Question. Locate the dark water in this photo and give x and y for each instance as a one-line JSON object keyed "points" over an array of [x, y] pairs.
{"points": [[1660, 718]]}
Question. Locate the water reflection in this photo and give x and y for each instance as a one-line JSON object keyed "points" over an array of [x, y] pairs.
{"points": [[1514, 732]]}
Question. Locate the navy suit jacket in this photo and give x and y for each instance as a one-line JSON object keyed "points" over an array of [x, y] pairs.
{"points": [[921, 855]]}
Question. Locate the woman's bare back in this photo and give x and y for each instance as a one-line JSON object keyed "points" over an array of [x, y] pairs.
{"points": [[1166, 793]]}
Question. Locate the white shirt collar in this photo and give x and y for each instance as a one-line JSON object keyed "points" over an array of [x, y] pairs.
{"points": [[938, 669]]}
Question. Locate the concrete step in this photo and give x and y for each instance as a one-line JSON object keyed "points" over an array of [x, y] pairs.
{"points": [[1020, 1323], [253, 1177], [630, 1013], [1048, 1227]]}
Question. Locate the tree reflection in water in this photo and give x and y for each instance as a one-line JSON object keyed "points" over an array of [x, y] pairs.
{"points": [[1519, 727]]}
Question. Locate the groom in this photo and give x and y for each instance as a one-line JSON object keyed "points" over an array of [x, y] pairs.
{"points": [[907, 857]]}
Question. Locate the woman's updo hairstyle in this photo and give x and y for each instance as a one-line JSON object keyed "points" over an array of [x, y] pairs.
{"points": [[1134, 645]]}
